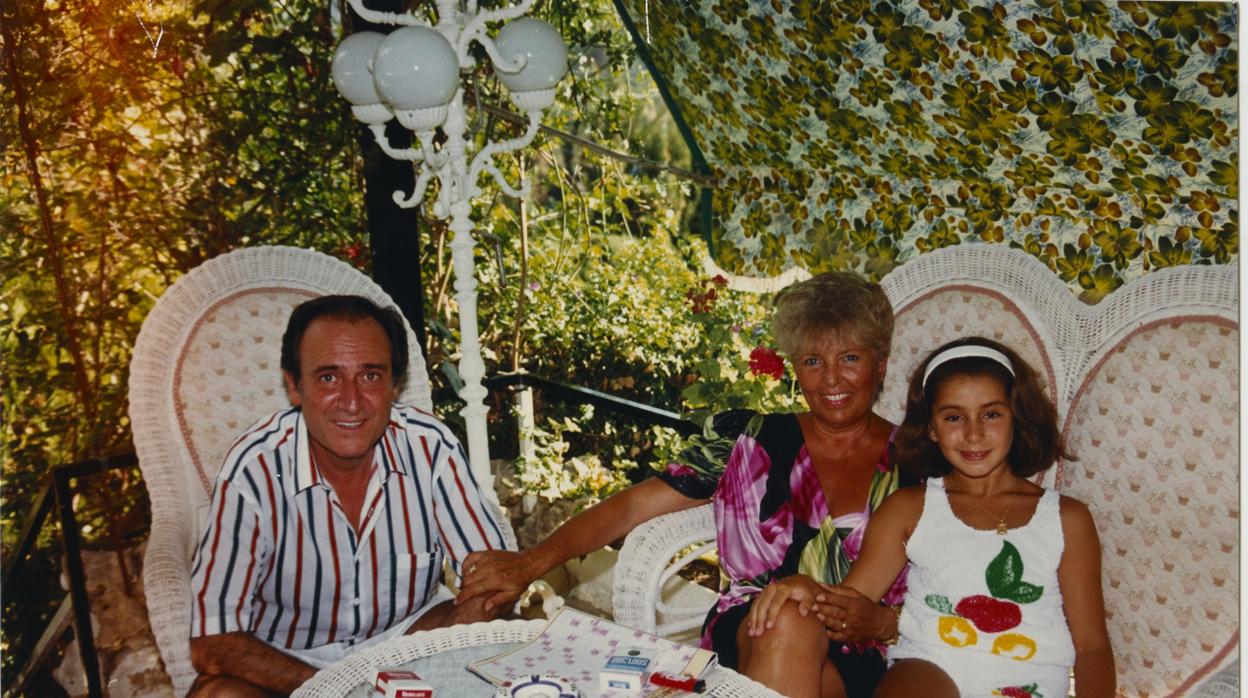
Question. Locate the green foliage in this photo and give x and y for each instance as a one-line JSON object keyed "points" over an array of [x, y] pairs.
{"points": [[634, 321], [731, 326], [126, 163], [553, 473]]}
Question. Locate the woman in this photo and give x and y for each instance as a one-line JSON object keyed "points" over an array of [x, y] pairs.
{"points": [[791, 498]]}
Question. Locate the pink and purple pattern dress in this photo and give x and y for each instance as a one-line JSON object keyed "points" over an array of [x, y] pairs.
{"points": [[771, 517]]}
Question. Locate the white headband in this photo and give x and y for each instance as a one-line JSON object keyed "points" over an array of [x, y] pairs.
{"points": [[963, 352]]}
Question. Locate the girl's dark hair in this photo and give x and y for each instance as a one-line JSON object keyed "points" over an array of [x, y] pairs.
{"points": [[1037, 442]]}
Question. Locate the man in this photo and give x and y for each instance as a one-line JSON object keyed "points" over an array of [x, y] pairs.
{"points": [[329, 520]]}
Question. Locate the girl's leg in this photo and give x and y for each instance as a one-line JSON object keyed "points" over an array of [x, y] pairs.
{"points": [[916, 677], [791, 657]]}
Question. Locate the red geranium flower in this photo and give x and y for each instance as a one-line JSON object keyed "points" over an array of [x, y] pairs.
{"points": [[766, 362]]}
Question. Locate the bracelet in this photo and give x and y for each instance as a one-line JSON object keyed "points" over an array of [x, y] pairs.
{"points": [[897, 633]]}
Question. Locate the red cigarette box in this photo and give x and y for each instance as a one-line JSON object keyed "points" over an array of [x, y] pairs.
{"points": [[400, 683]]}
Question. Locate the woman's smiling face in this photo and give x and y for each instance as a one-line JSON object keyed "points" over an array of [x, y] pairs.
{"points": [[840, 378]]}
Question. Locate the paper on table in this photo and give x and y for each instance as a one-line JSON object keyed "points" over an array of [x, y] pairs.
{"points": [[575, 646]]}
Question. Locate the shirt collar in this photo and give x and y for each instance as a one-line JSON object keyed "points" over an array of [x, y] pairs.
{"points": [[306, 473]]}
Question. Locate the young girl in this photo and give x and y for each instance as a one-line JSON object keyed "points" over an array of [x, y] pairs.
{"points": [[1005, 580]]}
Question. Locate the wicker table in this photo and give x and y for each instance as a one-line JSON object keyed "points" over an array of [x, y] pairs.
{"points": [[440, 657]]}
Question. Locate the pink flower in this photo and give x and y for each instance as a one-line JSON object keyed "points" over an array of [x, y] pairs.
{"points": [[766, 362], [679, 469]]}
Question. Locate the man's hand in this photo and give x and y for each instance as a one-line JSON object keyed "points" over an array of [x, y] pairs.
{"points": [[497, 577], [449, 613], [243, 656]]}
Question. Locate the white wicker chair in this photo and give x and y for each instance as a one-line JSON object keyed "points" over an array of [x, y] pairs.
{"points": [[1161, 476], [205, 367]]}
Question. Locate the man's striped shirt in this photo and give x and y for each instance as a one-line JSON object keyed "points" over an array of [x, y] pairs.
{"points": [[280, 560]]}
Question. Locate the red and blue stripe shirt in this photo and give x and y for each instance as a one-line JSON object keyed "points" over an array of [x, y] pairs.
{"points": [[280, 560]]}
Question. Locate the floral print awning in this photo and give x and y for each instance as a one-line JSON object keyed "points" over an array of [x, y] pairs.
{"points": [[1101, 138]]}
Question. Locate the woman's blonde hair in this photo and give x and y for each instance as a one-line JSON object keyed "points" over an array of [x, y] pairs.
{"points": [[835, 301]]}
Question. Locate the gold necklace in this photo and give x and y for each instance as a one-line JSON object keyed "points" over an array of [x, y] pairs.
{"points": [[1002, 526]]}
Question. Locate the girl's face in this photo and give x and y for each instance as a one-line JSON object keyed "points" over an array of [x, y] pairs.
{"points": [[973, 424]]}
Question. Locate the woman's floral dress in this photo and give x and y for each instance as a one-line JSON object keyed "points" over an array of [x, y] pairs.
{"points": [[770, 514]]}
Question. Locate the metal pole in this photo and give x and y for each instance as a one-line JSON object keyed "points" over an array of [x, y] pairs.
{"points": [[77, 582]]}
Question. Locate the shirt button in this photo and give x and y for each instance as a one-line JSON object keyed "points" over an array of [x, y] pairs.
{"points": [[356, 602]]}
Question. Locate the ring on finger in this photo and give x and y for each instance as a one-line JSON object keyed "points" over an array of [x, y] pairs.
{"points": [[844, 625]]}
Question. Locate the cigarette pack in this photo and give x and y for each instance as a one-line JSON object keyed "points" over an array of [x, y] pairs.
{"points": [[400, 683], [625, 669]]}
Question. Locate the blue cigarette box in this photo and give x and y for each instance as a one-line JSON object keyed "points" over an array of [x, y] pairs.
{"points": [[625, 669]]}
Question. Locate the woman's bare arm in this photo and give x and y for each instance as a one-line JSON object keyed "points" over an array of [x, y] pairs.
{"points": [[504, 575]]}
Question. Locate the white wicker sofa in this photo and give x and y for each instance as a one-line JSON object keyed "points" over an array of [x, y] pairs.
{"points": [[1147, 389]]}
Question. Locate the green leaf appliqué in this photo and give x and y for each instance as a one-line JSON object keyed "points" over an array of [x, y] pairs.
{"points": [[1005, 577], [939, 603]]}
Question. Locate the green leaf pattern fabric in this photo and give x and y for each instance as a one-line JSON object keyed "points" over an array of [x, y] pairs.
{"points": [[1101, 138]]}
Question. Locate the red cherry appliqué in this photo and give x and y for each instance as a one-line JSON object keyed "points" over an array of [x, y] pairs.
{"points": [[988, 614]]}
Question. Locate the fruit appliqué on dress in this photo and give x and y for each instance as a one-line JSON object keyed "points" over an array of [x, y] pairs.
{"points": [[961, 624]]}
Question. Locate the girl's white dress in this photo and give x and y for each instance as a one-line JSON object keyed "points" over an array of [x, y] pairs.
{"points": [[986, 607]]}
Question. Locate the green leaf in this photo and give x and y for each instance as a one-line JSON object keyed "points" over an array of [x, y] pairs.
{"points": [[938, 603], [1024, 592], [1005, 577], [1005, 571]]}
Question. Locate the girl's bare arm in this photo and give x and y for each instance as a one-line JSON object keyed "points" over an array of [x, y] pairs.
{"points": [[1079, 575]]}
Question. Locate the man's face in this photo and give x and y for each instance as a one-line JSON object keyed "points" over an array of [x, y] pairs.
{"points": [[345, 390]]}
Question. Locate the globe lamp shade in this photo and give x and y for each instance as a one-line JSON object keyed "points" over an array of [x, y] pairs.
{"points": [[416, 68], [352, 68], [546, 58]]}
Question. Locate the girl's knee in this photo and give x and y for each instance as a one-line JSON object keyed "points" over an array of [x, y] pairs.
{"points": [[911, 677]]}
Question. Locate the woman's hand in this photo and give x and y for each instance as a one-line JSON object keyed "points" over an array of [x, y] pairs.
{"points": [[848, 616], [798, 588], [501, 576]]}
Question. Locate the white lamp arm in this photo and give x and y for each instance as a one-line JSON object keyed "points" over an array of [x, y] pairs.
{"points": [[405, 19], [409, 154], [418, 194], [475, 30], [485, 159]]}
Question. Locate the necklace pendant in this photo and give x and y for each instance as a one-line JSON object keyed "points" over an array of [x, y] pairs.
{"points": [[1002, 527]]}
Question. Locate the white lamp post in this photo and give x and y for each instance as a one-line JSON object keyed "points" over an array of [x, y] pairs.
{"points": [[413, 74]]}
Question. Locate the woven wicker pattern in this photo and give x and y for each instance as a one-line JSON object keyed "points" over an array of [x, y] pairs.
{"points": [[340, 678], [1155, 427], [1146, 384], [357, 670], [642, 568], [934, 318], [204, 368]]}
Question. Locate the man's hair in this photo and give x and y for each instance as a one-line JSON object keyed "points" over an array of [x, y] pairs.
{"points": [[350, 308], [1037, 442], [836, 301]]}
